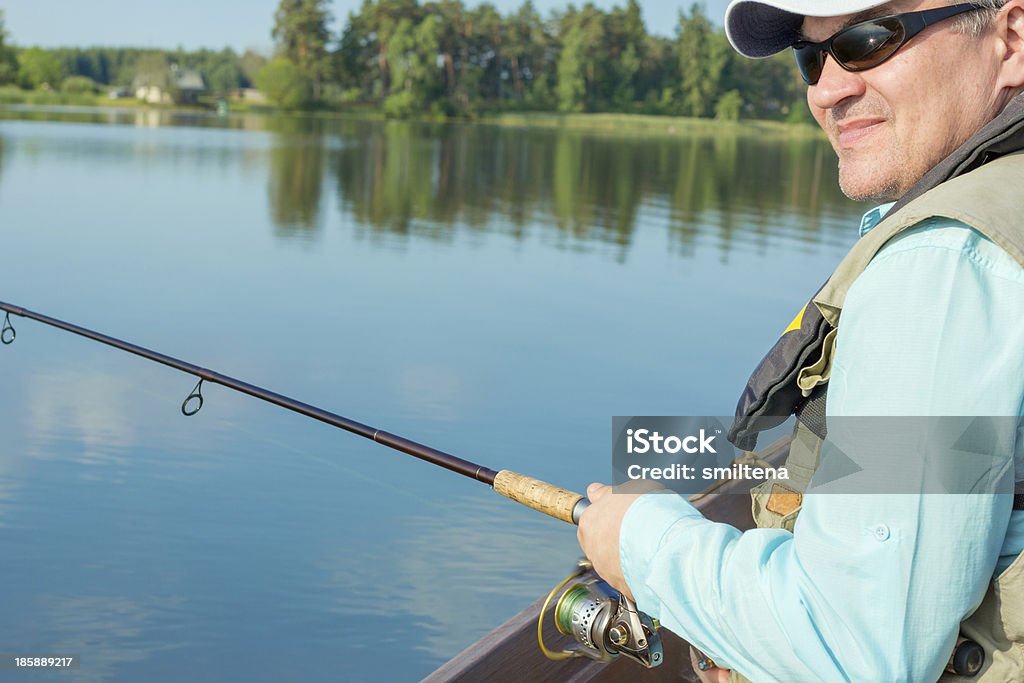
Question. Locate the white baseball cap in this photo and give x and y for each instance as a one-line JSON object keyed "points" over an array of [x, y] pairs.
{"points": [[760, 28]]}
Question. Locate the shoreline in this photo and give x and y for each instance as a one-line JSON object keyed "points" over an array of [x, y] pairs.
{"points": [[608, 123]]}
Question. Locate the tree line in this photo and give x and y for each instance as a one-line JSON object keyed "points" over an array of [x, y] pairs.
{"points": [[89, 69], [444, 58]]}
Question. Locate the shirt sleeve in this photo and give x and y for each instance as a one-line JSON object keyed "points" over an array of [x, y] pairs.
{"points": [[869, 587]]}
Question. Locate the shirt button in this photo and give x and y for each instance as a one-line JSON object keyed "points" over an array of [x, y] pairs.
{"points": [[881, 532]]}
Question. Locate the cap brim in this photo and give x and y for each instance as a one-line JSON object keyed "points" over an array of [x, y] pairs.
{"points": [[760, 28]]}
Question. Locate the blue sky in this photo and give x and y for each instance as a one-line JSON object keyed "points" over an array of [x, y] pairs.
{"points": [[218, 23]]}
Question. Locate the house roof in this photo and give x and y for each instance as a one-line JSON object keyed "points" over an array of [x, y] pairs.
{"points": [[178, 78], [187, 79]]}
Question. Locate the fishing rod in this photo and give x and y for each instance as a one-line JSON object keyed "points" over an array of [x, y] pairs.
{"points": [[533, 493], [603, 622]]}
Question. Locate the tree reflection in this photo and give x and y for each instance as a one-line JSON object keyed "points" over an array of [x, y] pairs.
{"points": [[432, 181], [295, 184]]}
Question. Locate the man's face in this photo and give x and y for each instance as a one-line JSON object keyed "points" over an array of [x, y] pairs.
{"points": [[891, 124]]}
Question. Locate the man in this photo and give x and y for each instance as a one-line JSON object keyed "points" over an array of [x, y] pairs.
{"points": [[923, 109]]}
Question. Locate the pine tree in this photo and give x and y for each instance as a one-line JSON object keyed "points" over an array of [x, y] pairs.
{"points": [[302, 34], [8, 62]]}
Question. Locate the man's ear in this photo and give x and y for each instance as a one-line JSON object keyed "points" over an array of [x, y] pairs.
{"points": [[1009, 26]]}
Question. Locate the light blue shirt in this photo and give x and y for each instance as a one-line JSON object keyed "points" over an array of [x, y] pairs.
{"points": [[934, 326]]}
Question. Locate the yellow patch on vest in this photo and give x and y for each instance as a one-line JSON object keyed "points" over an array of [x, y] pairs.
{"points": [[795, 325], [783, 500]]}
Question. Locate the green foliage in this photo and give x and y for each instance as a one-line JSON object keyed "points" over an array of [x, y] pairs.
{"points": [[79, 85], [11, 94], [767, 85], [8, 67], [729, 106], [703, 54], [8, 60], [302, 34], [416, 78], [583, 59], [572, 86], [104, 65], [799, 113], [223, 77], [624, 49], [222, 70], [526, 45], [38, 68], [284, 83], [401, 105], [415, 57], [579, 59], [250, 64], [152, 69]]}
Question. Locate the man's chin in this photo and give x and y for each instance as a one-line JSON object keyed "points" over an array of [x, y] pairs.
{"points": [[863, 187]]}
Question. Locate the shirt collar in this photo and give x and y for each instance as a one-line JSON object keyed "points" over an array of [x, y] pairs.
{"points": [[874, 217]]}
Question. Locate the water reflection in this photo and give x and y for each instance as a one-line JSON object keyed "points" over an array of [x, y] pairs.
{"points": [[577, 189], [414, 586], [86, 405], [296, 180], [96, 629], [404, 180]]}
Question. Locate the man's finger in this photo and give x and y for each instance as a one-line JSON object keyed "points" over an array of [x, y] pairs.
{"points": [[596, 491]]}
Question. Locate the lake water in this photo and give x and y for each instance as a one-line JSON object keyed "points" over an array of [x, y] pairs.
{"points": [[498, 293]]}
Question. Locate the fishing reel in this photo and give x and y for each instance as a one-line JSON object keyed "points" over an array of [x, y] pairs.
{"points": [[603, 622]]}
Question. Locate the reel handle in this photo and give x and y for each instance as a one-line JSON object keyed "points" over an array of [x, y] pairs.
{"points": [[541, 496]]}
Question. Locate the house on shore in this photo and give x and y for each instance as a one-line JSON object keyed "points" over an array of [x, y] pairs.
{"points": [[178, 86]]}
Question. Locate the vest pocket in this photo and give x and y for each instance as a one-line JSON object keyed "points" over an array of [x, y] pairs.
{"points": [[1009, 591], [819, 371], [774, 505], [998, 626]]}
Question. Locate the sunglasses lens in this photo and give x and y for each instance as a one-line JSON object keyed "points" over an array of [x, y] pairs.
{"points": [[809, 60], [869, 44]]}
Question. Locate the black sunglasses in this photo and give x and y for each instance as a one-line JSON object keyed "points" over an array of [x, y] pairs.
{"points": [[867, 44]]}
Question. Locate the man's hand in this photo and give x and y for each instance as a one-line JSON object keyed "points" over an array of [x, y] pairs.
{"points": [[715, 674], [599, 537], [598, 533]]}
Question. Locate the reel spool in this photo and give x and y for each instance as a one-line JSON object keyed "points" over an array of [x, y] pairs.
{"points": [[604, 623]]}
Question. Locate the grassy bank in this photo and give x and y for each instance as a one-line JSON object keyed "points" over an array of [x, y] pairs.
{"points": [[617, 124], [42, 98], [645, 124]]}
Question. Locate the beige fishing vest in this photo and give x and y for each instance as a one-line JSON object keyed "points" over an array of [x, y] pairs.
{"points": [[991, 200]]}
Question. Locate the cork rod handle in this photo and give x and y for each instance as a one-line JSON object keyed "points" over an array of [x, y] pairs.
{"points": [[540, 495]]}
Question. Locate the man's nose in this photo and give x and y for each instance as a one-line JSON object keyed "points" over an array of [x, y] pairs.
{"points": [[834, 85]]}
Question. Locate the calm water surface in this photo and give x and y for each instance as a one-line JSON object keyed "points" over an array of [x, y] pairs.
{"points": [[497, 293]]}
